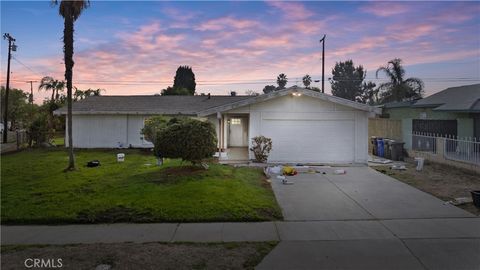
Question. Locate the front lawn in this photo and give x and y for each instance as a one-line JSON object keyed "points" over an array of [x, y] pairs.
{"points": [[35, 189]]}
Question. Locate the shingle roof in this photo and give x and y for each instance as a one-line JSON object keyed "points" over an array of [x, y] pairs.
{"points": [[169, 105], [398, 104], [462, 98]]}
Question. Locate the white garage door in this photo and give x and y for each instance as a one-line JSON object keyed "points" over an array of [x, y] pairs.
{"points": [[322, 141]]}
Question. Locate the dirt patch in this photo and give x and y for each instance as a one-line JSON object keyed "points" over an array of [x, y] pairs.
{"points": [[442, 181], [116, 214], [173, 174], [269, 213], [144, 256]]}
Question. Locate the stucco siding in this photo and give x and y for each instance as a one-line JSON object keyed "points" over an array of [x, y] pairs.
{"points": [[304, 113]]}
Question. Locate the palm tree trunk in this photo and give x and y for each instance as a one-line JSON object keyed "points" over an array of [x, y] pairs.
{"points": [[68, 55]]}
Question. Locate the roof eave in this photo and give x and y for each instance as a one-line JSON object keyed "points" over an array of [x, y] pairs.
{"points": [[274, 94]]}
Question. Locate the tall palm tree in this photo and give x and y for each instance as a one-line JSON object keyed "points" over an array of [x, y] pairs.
{"points": [[50, 84], [70, 10], [307, 80], [399, 88]]}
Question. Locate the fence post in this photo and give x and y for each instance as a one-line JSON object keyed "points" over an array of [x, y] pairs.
{"points": [[440, 147]]}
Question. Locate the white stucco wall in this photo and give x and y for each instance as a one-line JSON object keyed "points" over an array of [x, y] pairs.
{"points": [[289, 108], [108, 131]]}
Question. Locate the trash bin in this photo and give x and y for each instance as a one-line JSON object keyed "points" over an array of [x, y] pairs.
{"points": [[387, 143], [397, 151], [373, 141], [419, 161], [380, 147]]}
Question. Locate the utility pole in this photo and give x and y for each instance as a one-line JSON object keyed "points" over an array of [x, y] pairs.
{"points": [[7, 88], [30, 98], [323, 62]]}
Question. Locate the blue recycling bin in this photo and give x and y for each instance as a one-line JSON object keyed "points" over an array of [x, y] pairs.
{"points": [[380, 147]]}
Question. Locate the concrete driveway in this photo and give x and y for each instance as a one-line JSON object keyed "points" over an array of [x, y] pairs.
{"points": [[360, 194], [367, 220]]}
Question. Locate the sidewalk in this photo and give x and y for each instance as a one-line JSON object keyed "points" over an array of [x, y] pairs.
{"points": [[443, 228]]}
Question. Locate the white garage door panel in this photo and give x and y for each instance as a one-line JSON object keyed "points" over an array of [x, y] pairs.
{"points": [[311, 141]]}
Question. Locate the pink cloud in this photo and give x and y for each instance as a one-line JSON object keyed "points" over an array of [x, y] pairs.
{"points": [[292, 10], [385, 9], [410, 32], [226, 22], [270, 42]]}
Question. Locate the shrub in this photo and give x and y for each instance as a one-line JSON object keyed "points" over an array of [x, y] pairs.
{"points": [[154, 125], [38, 130], [261, 147], [188, 139]]}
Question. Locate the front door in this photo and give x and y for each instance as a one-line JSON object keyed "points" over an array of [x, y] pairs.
{"points": [[237, 130]]}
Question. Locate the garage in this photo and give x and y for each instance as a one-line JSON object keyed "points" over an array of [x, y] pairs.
{"points": [[323, 141]]}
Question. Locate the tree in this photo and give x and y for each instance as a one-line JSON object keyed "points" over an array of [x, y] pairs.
{"points": [[172, 91], [261, 147], [347, 80], [398, 88], [18, 106], [189, 139], [48, 83], [70, 10], [185, 78], [370, 94], [307, 80], [269, 88], [282, 81]]}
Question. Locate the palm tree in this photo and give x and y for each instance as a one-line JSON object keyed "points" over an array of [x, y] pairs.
{"points": [[307, 80], [398, 88], [50, 84], [70, 10], [282, 81]]}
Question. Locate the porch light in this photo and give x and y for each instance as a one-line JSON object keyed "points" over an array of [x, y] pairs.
{"points": [[296, 94]]}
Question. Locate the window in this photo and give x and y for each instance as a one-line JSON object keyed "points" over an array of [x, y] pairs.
{"points": [[235, 121]]}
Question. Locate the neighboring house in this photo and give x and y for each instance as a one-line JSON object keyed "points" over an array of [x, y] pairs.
{"points": [[305, 126], [454, 111]]}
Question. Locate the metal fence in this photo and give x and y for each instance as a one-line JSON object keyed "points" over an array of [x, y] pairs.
{"points": [[452, 148], [466, 150], [424, 142]]}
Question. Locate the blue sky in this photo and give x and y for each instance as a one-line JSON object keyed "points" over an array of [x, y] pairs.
{"points": [[131, 47]]}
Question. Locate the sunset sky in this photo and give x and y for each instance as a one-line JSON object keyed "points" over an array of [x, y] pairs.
{"points": [[133, 48]]}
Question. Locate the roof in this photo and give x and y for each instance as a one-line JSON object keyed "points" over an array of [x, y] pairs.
{"points": [[168, 105], [460, 99], [190, 105], [398, 104], [287, 91]]}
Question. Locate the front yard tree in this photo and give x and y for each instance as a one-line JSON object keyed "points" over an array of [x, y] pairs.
{"points": [[269, 88], [282, 81], [185, 78], [189, 139], [398, 88], [70, 10], [18, 107], [347, 80]]}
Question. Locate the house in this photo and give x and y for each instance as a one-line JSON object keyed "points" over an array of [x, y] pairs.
{"points": [[305, 126], [454, 112]]}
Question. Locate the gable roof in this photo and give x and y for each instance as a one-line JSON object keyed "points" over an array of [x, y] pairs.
{"points": [[191, 105], [461, 99], [167, 105], [287, 91]]}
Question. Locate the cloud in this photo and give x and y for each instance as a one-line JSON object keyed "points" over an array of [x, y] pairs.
{"points": [[224, 23], [292, 10], [385, 9]]}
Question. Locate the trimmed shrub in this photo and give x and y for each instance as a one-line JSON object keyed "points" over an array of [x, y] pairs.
{"points": [[261, 147], [189, 139], [154, 125]]}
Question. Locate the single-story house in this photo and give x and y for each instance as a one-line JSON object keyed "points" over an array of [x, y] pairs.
{"points": [[305, 126], [454, 112]]}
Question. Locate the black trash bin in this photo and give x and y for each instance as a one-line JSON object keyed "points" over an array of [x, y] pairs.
{"points": [[388, 148], [476, 197], [373, 140], [397, 151]]}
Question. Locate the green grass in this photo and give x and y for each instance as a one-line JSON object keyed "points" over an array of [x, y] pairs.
{"points": [[58, 141], [35, 190]]}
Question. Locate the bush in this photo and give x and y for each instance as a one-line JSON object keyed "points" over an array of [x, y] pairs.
{"points": [[153, 126], [188, 139], [261, 147], [38, 130]]}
